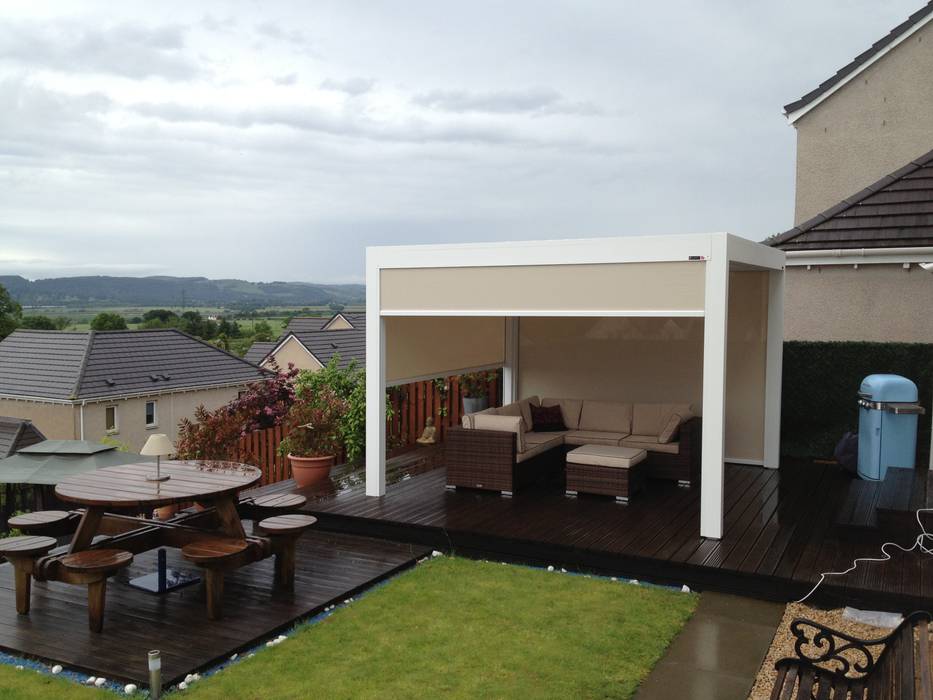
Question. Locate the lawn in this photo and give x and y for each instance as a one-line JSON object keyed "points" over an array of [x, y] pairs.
{"points": [[461, 629]]}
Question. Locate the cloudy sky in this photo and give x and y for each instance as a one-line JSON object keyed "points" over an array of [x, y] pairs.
{"points": [[275, 140]]}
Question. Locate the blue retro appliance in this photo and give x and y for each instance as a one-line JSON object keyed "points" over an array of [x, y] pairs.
{"points": [[887, 424]]}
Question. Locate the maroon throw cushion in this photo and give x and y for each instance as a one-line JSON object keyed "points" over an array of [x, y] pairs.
{"points": [[546, 419]]}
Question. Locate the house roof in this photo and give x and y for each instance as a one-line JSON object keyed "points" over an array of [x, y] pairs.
{"points": [[258, 351], [895, 212], [17, 433], [798, 108], [349, 344], [71, 366], [306, 324]]}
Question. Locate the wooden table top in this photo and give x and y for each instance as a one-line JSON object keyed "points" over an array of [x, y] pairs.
{"points": [[125, 485]]}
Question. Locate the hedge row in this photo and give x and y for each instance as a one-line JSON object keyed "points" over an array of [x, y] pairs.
{"points": [[821, 381]]}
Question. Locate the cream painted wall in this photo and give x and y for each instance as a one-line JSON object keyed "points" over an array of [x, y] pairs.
{"points": [[292, 352], [872, 126], [338, 323], [883, 303], [171, 408], [56, 421], [655, 360]]}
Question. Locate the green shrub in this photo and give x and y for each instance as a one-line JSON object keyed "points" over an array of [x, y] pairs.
{"points": [[821, 381]]}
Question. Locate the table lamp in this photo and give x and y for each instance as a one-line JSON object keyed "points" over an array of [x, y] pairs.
{"points": [[156, 446]]}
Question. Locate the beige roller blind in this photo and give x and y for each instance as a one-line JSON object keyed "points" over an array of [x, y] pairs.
{"points": [[653, 287], [434, 346]]}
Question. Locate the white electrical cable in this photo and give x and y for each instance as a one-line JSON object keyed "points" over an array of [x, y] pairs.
{"points": [[920, 543]]}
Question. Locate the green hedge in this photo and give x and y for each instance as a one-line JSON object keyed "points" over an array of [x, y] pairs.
{"points": [[820, 385]]}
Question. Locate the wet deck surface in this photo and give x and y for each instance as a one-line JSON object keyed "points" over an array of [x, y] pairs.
{"points": [[330, 568], [781, 531]]}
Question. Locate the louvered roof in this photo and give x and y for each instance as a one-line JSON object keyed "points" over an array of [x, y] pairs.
{"points": [[895, 212], [17, 433], [100, 364]]}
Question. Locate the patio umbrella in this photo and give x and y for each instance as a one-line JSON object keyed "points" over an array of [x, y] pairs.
{"points": [[50, 461]]}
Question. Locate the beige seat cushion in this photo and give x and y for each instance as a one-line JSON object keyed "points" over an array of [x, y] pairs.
{"points": [[651, 444], [466, 420], [569, 409], [650, 418], [514, 409], [593, 437], [612, 416], [606, 456], [514, 424], [671, 429], [533, 438], [540, 442]]}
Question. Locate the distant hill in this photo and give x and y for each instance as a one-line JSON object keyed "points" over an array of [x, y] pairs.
{"points": [[171, 291]]}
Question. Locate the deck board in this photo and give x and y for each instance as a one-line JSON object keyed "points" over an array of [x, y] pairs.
{"points": [[779, 531], [329, 567]]}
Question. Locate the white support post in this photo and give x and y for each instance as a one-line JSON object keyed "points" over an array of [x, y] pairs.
{"points": [[375, 385], [510, 368], [773, 369], [714, 389]]}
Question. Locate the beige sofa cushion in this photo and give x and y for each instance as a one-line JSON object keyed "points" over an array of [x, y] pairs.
{"points": [[612, 416], [533, 438], [606, 456], [593, 437], [669, 431], [485, 421], [535, 450], [650, 443], [514, 409], [569, 409], [466, 420], [650, 418]]}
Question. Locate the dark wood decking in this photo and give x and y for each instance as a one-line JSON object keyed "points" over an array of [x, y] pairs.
{"points": [[781, 531], [330, 567]]}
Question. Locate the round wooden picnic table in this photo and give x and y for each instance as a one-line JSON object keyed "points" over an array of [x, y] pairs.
{"points": [[125, 486]]}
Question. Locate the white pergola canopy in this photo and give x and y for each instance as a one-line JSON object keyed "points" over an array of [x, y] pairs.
{"points": [[443, 309]]}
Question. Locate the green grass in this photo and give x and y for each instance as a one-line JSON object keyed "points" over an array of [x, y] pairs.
{"points": [[29, 685], [458, 628]]}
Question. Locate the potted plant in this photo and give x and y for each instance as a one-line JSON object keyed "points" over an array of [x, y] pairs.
{"points": [[314, 436], [474, 387]]}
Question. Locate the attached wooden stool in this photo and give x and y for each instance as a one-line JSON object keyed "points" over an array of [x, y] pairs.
{"points": [[280, 501], [23, 552], [284, 531], [46, 522], [94, 567], [215, 555]]}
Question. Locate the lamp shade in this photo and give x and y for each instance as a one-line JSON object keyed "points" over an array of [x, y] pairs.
{"points": [[157, 445]]}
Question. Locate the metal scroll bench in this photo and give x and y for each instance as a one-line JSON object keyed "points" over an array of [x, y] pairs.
{"points": [[831, 665]]}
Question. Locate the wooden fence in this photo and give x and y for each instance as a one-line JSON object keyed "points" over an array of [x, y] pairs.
{"points": [[412, 404]]}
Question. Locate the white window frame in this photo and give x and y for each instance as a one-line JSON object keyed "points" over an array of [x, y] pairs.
{"points": [[116, 420], [155, 414]]}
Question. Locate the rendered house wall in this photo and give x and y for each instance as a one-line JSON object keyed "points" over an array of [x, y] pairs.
{"points": [[873, 125], [56, 421], [292, 352]]}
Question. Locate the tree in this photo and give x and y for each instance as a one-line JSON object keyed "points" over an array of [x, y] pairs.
{"points": [[162, 315], [262, 332], [10, 313], [38, 323], [106, 321]]}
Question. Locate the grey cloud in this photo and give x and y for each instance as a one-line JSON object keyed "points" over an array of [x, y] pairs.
{"points": [[271, 30], [128, 49], [350, 86], [287, 79], [529, 100]]}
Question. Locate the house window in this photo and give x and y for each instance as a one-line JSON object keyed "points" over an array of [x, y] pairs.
{"points": [[152, 420], [110, 419]]}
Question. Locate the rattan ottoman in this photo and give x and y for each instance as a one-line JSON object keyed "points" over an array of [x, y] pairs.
{"points": [[605, 470]]}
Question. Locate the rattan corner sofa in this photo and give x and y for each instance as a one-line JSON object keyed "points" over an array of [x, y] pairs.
{"points": [[496, 450]]}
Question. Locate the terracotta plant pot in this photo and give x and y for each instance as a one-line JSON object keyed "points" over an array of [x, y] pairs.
{"points": [[310, 470], [166, 512]]}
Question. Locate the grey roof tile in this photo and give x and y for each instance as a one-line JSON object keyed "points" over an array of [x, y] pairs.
{"points": [[349, 344], [17, 433], [257, 351], [58, 365], [894, 212]]}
